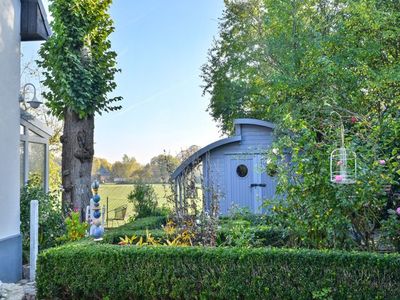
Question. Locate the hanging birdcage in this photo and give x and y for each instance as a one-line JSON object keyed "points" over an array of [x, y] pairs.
{"points": [[343, 162], [343, 166]]}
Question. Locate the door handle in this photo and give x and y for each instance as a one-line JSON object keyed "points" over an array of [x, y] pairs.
{"points": [[258, 184]]}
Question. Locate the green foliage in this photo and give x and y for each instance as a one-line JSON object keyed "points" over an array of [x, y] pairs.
{"points": [[243, 213], [179, 235], [323, 294], [54, 173], [321, 214], [294, 63], [148, 240], [153, 222], [113, 236], [172, 239], [79, 66], [138, 227], [51, 220], [241, 233], [94, 271], [236, 68], [154, 231], [391, 230], [117, 195], [144, 199], [76, 230], [231, 232]]}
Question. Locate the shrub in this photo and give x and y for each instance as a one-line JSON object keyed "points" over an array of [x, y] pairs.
{"points": [[243, 213], [144, 199], [154, 222], [391, 229], [138, 228], [113, 237], [271, 236], [184, 238], [241, 234], [76, 230], [96, 271], [51, 220]]}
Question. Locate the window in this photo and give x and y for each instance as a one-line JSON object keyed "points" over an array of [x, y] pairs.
{"points": [[37, 160], [32, 133], [34, 143], [242, 170]]}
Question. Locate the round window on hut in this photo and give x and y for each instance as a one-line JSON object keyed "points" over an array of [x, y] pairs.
{"points": [[242, 170]]}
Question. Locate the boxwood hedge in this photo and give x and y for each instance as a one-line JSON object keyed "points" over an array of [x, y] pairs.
{"points": [[98, 271]]}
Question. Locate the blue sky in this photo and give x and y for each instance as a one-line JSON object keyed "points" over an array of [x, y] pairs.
{"points": [[161, 47]]}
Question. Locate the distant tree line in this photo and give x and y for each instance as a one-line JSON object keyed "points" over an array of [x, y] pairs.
{"points": [[129, 170]]}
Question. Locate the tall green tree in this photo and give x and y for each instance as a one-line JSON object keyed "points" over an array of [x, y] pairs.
{"points": [[79, 69], [234, 73], [294, 62]]}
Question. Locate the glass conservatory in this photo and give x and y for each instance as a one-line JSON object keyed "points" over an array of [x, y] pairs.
{"points": [[34, 150]]}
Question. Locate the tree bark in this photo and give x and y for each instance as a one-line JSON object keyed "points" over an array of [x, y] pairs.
{"points": [[77, 159]]}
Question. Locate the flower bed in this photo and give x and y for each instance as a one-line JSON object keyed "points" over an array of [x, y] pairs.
{"points": [[95, 271]]}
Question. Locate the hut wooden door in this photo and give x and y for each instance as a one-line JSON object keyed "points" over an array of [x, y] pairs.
{"points": [[239, 178]]}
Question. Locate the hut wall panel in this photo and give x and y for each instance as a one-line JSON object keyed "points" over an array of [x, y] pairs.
{"points": [[214, 179]]}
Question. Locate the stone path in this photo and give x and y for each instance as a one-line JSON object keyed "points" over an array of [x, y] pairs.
{"points": [[22, 290]]}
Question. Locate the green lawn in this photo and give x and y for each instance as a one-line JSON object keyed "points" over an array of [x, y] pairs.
{"points": [[117, 195]]}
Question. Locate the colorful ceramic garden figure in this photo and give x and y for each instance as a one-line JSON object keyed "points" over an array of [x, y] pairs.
{"points": [[96, 223]]}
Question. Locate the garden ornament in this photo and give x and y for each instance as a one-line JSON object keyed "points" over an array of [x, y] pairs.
{"points": [[96, 223], [343, 162]]}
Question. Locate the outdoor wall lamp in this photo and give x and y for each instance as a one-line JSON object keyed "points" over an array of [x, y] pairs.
{"points": [[34, 103]]}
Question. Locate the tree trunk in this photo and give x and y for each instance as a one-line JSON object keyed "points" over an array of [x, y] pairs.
{"points": [[77, 158]]}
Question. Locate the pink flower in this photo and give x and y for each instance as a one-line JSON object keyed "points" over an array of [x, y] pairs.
{"points": [[76, 209], [339, 163], [382, 162], [398, 210], [338, 178]]}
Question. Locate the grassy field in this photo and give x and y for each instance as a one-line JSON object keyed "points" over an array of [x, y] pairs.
{"points": [[117, 195]]}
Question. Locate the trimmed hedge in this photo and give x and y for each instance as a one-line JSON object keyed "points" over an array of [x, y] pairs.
{"points": [[97, 271]]}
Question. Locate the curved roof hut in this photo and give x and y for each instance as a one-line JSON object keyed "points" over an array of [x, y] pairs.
{"points": [[233, 169]]}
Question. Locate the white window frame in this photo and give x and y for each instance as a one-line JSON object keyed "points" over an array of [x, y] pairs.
{"points": [[42, 137]]}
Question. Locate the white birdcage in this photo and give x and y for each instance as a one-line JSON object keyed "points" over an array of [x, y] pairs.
{"points": [[343, 162]]}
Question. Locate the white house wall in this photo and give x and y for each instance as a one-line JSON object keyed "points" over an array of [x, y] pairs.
{"points": [[9, 139]]}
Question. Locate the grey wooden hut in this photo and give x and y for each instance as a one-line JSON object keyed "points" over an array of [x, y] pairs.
{"points": [[234, 168]]}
